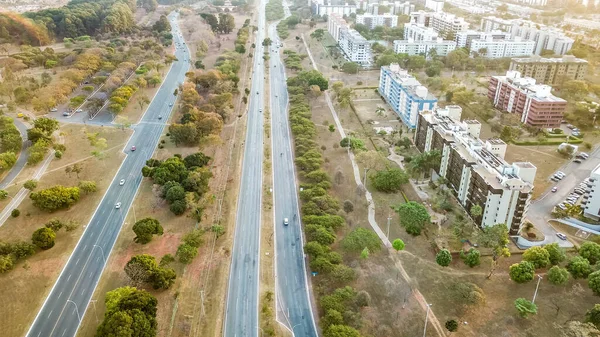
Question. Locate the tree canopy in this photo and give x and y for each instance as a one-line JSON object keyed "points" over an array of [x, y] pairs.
{"points": [[129, 312], [413, 217], [145, 228]]}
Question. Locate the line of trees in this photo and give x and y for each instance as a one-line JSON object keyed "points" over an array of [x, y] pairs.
{"points": [[10, 143]]}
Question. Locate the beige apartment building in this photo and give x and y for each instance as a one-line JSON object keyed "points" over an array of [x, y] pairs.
{"points": [[550, 71]]}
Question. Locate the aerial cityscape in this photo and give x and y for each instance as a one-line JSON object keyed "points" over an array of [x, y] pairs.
{"points": [[292, 168]]}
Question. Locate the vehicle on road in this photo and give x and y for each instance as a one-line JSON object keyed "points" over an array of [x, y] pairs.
{"points": [[561, 236], [53, 110], [570, 126], [122, 182], [560, 173], [257, 92], [554, 189], [79, 110], [578, 161], [170, 104], [118, 205], [133, 148], [286, 221], [159, 117], [65, 113]]}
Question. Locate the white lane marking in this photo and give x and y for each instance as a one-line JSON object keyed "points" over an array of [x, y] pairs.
{"points": [[64, 332], [77, 262], [68, 278], [59, 295], [83, 291], [50, 313]]}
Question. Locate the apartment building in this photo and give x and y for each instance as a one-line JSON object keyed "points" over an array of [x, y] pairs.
{"points": [[448, 25], [545, 38], [493, 49], [533, 102], [434, 5], [421, 18], [533, 2], [412, 47], [394, 7], [404, 94], [419, 32], [592, 207], [582, 23], [464, 38], [475, 169], [325, 7], [353, 45], [550, 71], [372, 21]]}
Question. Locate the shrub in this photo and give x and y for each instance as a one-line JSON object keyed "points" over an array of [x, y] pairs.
{"points": [[443, 258], [15, 213]]}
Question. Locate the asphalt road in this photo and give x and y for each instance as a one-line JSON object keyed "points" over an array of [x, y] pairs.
{"points": [[241, 313], [23, 155], [293, 299], [539, 210], [67, 302]]}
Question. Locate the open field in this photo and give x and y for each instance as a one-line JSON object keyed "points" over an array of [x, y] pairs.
{"points": [[24, 288]]}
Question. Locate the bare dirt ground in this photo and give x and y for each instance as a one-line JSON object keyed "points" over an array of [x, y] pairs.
{"points": [[24, 288]]}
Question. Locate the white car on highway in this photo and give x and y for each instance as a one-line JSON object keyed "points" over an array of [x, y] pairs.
{"points": [[122, 182], [286, 221], [118, 205]]}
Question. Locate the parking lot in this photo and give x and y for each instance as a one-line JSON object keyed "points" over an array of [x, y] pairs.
{"points": [[540, 210]]}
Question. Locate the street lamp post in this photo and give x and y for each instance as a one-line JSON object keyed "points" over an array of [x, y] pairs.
{"points": [[426, 319], [536, 288], [388, 225]]}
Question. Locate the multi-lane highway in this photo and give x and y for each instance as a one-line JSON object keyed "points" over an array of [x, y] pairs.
{"points": [[241, 313], [291, 281], [66, 304]]}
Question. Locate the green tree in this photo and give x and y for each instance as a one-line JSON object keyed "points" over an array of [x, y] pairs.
{"points": [[522, 272], [15, 213], [318, 34], [451, 325], [590, 251], [538, 256], [54, 224], [145, 228], [30, 184], [44, 238], [496, 238], [361, 238], [557, 275], [341, 331], [3, 194], [398, 244], [54, 198], [390, 180], [594, 282], [476, 211], [129, 312], [556, 253], [413, 217], [88, 186], [139, 268], [525, 307], [593, 315], [186, 253], [443, 258], [471, 258], [579, 267], [350, 67]]}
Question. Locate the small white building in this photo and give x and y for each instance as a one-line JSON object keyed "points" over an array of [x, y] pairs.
{"points": [[372, 21], [592, 208], [490, 48], [412, 47], [434, 5]]}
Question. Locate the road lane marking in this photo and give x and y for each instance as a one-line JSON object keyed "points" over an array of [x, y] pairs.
{"points": [[50, 313], [85, 247], [59, 295], [83, 291], [68, 278], [64, 332]]}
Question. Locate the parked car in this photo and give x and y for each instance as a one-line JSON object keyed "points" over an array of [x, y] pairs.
{"points": [[561, 236], [578, 161], [53, 110], [79, 110], [554, 189], [570, 126], [65, 113]]}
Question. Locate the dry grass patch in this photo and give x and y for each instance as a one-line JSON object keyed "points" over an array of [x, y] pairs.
{"points": [[25, 287]]}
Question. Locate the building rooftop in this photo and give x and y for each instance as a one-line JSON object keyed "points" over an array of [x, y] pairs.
{"points": [[498, 172], [538, 59], [541, 92]]}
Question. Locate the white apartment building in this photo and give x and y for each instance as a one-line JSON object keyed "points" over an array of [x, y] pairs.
{"points": [[533, 2], [412, 47], [434, 5], [372, 21], [587, 2], [582, 23], [502, 48], [592, 207], [404, 94], [464, 38], [323, 7], [475, 169], [395, 7], [421, 18], [447, 24], [354, 46], [544, 37], [419, 32]]}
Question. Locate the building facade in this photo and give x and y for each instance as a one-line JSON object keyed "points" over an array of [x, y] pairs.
{"points": [[491, 48], [448, 25], [321, 7], [372, 21], [550, 71], [412, 47], [533, 102], [404, 94], [464, 38], [434, 5], [592, 207], [419, 32], [475, 170], [353, 45], [421, 18]]}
